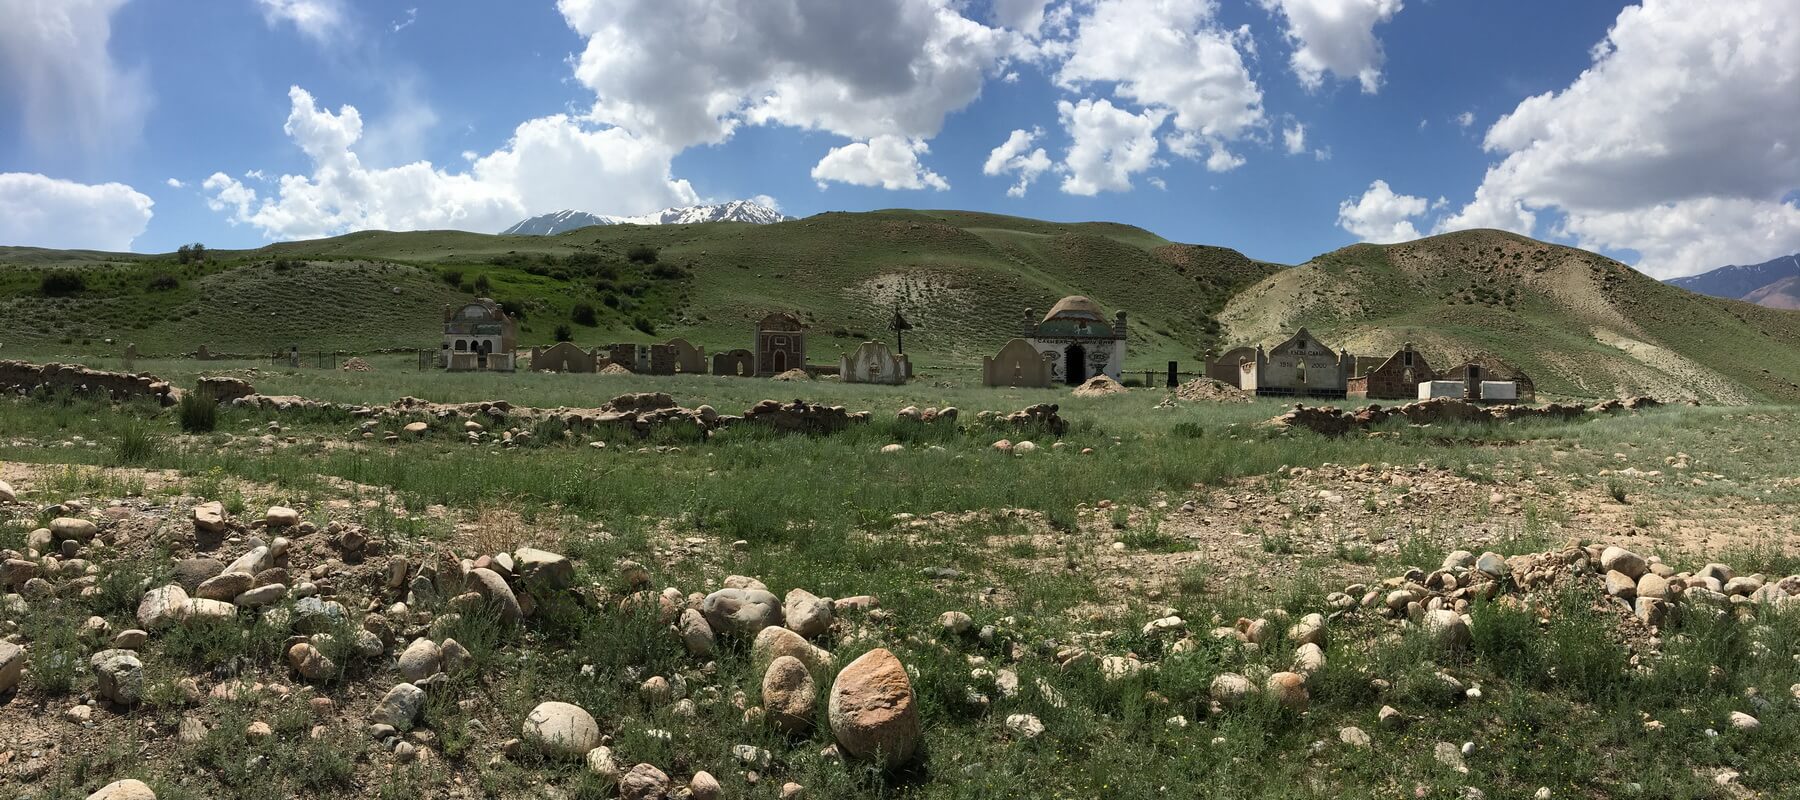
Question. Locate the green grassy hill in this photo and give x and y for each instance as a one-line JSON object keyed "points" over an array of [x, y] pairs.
{"points": [[964, 280], [1580, 324]]}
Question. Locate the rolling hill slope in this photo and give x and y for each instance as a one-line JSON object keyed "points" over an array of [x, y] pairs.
{"points": [[964, 279], [1581, 324]]}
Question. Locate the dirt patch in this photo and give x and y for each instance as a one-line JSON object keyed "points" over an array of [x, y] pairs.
{"points": [[1207, 390], [1099, 386]]}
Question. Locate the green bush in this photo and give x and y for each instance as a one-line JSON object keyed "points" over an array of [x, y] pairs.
{"points": [[199, 413], [61, 284], [583, 314], [564, 334], [642, 254]]}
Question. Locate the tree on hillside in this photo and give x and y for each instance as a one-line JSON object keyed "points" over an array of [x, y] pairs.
{"points": [[184, 254], [583, 314]]}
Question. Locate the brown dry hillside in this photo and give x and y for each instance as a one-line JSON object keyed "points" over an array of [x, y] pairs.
{"points": [[1581, 324], [1782, 294]]}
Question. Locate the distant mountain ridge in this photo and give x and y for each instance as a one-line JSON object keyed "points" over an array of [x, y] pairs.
{"points": [[1774, 283], [734, 211]]}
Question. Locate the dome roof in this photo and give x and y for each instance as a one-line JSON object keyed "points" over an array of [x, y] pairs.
{"points": [[1076, 307]]}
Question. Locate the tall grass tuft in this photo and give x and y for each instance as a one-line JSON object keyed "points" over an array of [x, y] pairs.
{"points": [[199, 413], [136, 444]]}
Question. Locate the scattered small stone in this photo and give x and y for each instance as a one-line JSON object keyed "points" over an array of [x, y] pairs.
{"points": [[1025, 726]]}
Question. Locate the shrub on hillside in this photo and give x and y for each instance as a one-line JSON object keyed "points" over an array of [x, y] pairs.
{"points": [[644, 325], [583, 314], [668, 272], [163, 283], [452, 276], [563, 334], [513, 308], [642, 254], [482, 285], [61, 284]]}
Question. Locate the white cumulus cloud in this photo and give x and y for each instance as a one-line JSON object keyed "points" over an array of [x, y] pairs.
{"points": [[890, 162], [1293, 138], [550, 163], [1380, 215], [1026, 16], [1335, 36], [317, 19], [1110, 145], [39, 211], [863, 69], [1678, 142], [1016, 155], [1171, 58], [58, 79]]}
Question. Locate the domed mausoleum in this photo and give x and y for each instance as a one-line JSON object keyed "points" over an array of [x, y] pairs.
{"points": [[1077, 340]]}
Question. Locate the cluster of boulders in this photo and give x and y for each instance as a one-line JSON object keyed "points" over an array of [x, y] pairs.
{"points": [[869, 705], [1333, 421], [26, 378], [1041, 418], [634, 415], [946, 415], [800, 417]]}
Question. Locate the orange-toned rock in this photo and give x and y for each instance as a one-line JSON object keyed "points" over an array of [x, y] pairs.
{"points": [[873, 711]]}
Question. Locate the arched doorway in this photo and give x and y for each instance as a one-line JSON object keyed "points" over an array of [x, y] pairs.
{"points": [[1075, 365], [1472, 390], [779, 361]]}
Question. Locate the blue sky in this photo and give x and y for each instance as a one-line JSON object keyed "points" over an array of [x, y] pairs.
{"points": [[1661, 133]]}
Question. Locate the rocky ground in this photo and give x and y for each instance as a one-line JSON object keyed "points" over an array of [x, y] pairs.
{"points": [[366, 625], [1387, 629]]}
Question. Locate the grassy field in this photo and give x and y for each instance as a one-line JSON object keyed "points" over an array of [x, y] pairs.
{"points": [[1055, 550]]}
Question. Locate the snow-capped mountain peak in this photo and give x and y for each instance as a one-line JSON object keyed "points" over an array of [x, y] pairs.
{"points": [[734, 211]]}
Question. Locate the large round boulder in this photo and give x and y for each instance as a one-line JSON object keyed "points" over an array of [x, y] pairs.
{"points": [[162, 606], [741, 612], [789, 695], [1446, 629], [128, 789], [562, 729], [493, 589], [74, 528], [643, 782], [872, 709], [774, 642], [420, 660]]}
